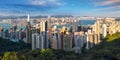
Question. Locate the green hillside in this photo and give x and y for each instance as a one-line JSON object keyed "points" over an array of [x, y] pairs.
{"points": [[109, 49], [7, 45]]}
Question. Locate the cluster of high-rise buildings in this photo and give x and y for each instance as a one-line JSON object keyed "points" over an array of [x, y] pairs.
{"points": [[12, 34], [65, 38], [62, 34]]}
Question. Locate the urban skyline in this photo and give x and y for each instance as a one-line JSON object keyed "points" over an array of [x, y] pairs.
{"points": [[63, 34], [101, 8], [59, 30]]}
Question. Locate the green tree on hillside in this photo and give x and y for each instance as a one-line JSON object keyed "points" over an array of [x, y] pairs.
{"points": [[10, 56], [47, 54]]}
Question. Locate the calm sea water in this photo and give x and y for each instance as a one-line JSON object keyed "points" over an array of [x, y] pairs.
{"points": [[87, 22], [82, 22], [9, 25]]}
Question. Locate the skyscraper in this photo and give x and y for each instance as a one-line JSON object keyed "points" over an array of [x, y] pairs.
{"points": [[34, 38], [20, 34], [28, 30], [59, 41], [79, 41], [104, 28], [92, 39], [97, 29], [44, 31], [67, 41], [38, 41], [54, 42]]}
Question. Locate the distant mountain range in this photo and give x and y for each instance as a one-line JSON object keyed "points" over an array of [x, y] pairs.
{"points": [[14, 17]]}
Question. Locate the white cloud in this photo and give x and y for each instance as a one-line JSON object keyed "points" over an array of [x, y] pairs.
{"points": [[109, 8], [36, 2], [106, 2], [46, 2], [105, 5]]}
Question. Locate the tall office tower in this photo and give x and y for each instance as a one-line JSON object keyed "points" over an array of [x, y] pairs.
{"points": [[114, 27], [2, 34], [76, 42], [42, 26], [44, 30], [28, 30], [28, 18], [67, 42], [49, 27], [6, 33], [38, 41], [20, 34], [61, 36], [89, 39], [70, 29], [59, 41], [41, 41], [92, 39], [17, 36], [11, 33], [82, 37], [54, 42], [104, 28], [79, 41], [73, 26], [34, 38], [87, 43], [14, 27], [117, 25], [97, 29], [63, 31]]}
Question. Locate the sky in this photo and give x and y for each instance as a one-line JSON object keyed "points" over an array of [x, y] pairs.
{"points": [[96, 8]]}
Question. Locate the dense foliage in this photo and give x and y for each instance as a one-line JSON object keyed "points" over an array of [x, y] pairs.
{"points": [[10, 56], [108, 50], [113, 37], [7, 45]]}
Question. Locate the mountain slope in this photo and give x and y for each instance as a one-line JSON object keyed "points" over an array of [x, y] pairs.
{"points": [[108, 50]]}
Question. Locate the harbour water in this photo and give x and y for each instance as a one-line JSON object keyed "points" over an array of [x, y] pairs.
{"points": [[82, 22], [9, 25], [87, 22]]}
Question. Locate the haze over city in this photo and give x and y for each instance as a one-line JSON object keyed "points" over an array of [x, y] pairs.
{"points": [[99, 8]]}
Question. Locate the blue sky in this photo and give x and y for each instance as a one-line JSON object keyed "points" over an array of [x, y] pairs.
{"points": [[99, 8]]}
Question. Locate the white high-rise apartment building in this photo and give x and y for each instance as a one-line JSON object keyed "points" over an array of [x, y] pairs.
{"points": [[34, 39], [104, 28]]}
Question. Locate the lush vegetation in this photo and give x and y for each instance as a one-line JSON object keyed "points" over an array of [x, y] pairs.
{"points": [[108, 50], [113, 37], [7, 45]]}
